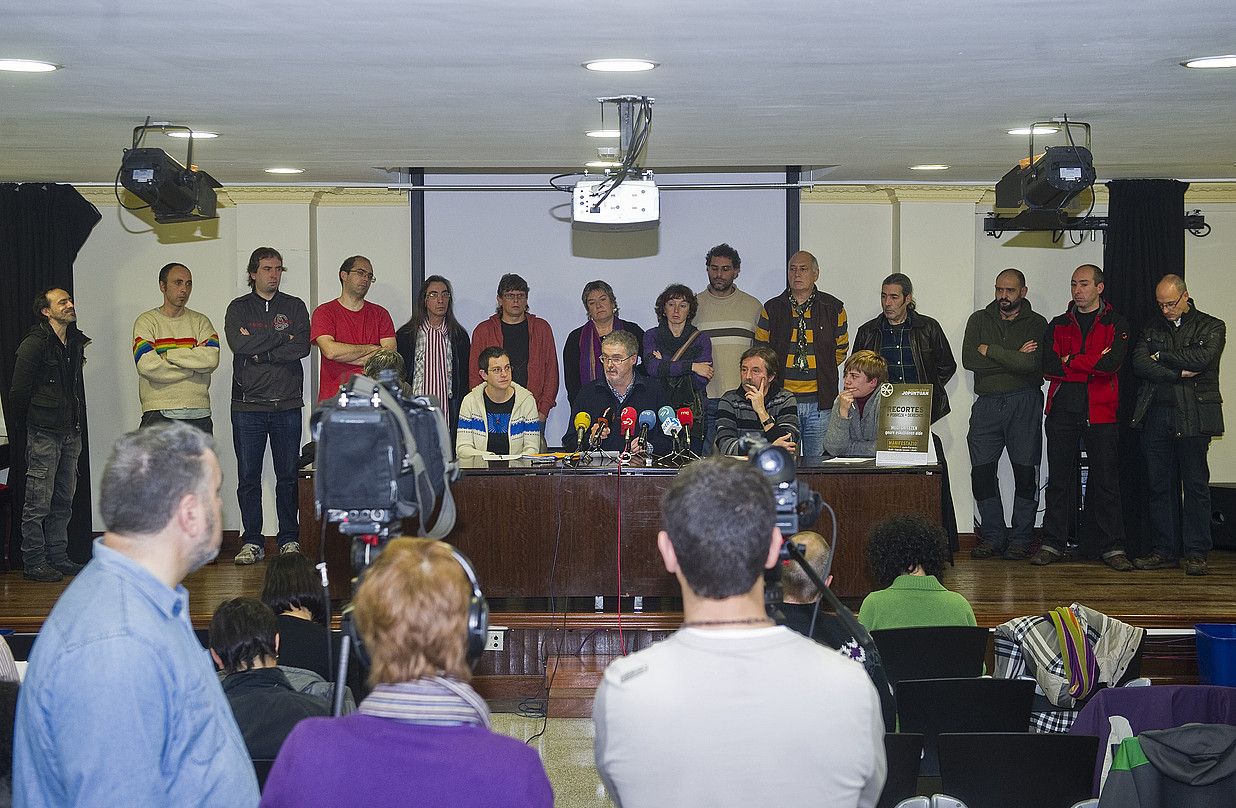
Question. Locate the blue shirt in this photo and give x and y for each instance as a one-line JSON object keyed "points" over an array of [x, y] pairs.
{"points": [[120, 704]]}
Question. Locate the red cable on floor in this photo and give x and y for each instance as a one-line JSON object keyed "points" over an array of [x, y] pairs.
{"points": [[622, 643]]}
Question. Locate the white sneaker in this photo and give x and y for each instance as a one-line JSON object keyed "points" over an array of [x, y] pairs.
{"points": [[290, 547], [250, 554]]}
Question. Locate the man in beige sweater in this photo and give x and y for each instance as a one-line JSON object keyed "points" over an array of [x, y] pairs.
{"points": [[176, 349]]}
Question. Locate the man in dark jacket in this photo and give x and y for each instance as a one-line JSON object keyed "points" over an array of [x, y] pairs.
{"points": [[47, 397], [1001, 347], [268, 332], [1083, 350], [1179, 409]]}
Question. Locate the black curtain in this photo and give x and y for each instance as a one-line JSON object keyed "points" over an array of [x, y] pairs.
{"points": [[42, 228], [1145, 241]]}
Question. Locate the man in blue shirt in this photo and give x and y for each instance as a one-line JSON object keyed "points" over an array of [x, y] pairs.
{"points": [[120, 705]]}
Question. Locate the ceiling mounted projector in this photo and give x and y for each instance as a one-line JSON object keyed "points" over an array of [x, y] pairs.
{"points": [[1050, 180], [627, 197], [174, 192]]}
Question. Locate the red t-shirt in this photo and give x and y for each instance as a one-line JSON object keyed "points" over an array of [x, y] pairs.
{"points": [[365, 327]]}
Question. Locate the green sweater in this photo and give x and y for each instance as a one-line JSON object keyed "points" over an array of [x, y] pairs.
{"points": [[912, 601], [1005, 368]]}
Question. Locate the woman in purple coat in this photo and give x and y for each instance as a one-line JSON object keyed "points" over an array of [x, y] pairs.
{"points": [[680, 355]]}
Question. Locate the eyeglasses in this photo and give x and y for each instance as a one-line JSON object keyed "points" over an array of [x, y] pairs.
{"points": [[1170, 306], [515, 296], [438, 295], [365, 275], [614, 360]]}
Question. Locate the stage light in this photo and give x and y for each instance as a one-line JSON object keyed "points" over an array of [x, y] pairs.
{"points": [[1049, 180]]}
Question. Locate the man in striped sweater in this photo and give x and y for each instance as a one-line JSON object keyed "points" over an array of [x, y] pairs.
{"points": [[759, 407], [176, 350]]}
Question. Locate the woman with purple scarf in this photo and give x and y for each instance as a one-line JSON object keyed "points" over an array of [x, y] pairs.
{"points": [[581, 355]]}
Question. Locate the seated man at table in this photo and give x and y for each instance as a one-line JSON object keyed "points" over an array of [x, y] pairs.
{"points": [[499, 416], [856, 412], [759, 407], [620, 389]]}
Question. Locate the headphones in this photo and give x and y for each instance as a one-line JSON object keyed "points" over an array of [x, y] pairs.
{"points": [[476, 625]]}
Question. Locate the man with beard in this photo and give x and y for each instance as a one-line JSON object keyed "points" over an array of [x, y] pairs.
{"points": [[120, 705], [726, 315], [176, 349], [1001, 347]]}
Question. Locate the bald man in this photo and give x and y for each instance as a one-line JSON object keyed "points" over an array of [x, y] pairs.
{"points": [[1178, 411]]}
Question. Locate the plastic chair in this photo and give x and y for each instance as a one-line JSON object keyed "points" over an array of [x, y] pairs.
{"points": [[1017, 769], [904, 753], [933, 652], [933, 706]]}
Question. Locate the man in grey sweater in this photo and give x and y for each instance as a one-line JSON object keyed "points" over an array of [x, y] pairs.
{"points": [[1001, 347]]}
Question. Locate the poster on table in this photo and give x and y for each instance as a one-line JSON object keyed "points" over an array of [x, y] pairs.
{"points": [[903, 432]]}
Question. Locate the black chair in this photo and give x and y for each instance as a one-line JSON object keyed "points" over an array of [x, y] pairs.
{"points": [[261, 767], [934, 652], [1017, 769], [904, 752], [933, 706]]}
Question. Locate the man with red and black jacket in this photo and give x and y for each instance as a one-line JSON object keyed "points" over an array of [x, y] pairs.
{"points": [[1083, 350]]}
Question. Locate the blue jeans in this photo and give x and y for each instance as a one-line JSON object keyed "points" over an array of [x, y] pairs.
{"points": [[250, 431], [813, 423], [51, 482], [1177, 523]]}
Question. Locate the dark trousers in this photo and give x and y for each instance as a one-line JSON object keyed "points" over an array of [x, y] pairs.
{"points": [[250, 433], [1013, 422], [149, 417], [1103, 519], [51, 482], [1175, 466]]}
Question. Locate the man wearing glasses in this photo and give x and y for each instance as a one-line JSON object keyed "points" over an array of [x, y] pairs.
{"points": [[621, 388], [1179, 409], [349, 329], [528, 341]]}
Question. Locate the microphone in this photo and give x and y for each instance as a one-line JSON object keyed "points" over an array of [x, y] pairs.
{"points": [[687, 418], [672, 427], [582, 421], [627, 420], [664, 414], [647, 420]]}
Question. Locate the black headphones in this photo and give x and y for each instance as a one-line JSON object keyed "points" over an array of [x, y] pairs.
{"points": [[475, 630]]}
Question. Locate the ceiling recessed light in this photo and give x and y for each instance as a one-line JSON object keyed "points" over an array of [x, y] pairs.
{"points": [[603, 133], [278, 170], [1211, 62], [196, 135], [27, 66], [1038, 130], [620, 65], [602, 164], [929, 167]]}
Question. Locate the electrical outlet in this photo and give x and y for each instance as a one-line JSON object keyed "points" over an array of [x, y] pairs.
{"points": [[493, 639]]}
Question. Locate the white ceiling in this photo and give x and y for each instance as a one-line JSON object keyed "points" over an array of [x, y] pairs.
{"points": [[341, 88]]}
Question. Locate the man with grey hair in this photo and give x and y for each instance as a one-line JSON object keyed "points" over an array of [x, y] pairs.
{"points": [[120, 705], [1179, 409], [620, 388]]}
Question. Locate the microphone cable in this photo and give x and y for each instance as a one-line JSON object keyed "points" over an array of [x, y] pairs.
{"points": [[622, 643]]}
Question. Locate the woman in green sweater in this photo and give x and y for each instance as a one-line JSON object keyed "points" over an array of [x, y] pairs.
{"points": [[906, 556]]}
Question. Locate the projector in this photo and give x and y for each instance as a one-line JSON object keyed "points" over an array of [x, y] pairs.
{"points": [[633, 205], [174, 193], [1049, 181]]}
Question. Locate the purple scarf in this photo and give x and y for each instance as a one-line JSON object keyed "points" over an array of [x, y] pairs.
{"points": [[589, 349]]}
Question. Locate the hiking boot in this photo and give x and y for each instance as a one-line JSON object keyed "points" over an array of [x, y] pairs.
{"points": [[250, 554], [1118, 561], [290, 547], [68, 567], [45, 573], [1156, 561], [984, 550], [1046, 555], [1196, 565], [1017, 554]]}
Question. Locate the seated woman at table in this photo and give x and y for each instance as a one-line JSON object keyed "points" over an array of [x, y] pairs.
{"points": [[679, 355], [856, 412], [581, 353], [906, 555], [422, 736]]}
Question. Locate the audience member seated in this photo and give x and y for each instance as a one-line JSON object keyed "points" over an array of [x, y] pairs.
{"points": [[581, 353], [801, 608], [386, 359], [422, 736], [906, 557], [293, 590], [8, 716], [856, 412], [245, 647], [679, 355], [760, 407], [608, 396], [498, 416]]}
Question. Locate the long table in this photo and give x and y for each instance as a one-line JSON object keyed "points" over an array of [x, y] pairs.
{"points": [[535, 531]]}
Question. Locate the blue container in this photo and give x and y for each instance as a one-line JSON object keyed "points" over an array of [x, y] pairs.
{"points": [[1216, 653]]}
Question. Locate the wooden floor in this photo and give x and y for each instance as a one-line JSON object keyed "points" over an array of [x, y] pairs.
{"points": [[998, 590]]}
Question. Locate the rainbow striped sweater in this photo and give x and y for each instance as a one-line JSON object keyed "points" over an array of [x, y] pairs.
{"points": [[174, 357]]}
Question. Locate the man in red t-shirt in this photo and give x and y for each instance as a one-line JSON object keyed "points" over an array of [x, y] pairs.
{"points": [[349, 329]]}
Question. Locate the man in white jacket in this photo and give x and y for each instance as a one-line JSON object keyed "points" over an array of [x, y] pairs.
{"points": [[498, 416]]}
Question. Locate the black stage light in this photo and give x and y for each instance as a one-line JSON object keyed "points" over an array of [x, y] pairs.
{"points": [[1049, 182], [174, 193]]}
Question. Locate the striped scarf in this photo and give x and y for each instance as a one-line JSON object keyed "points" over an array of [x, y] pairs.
{"points": [[434, 700], [799, 312]]}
